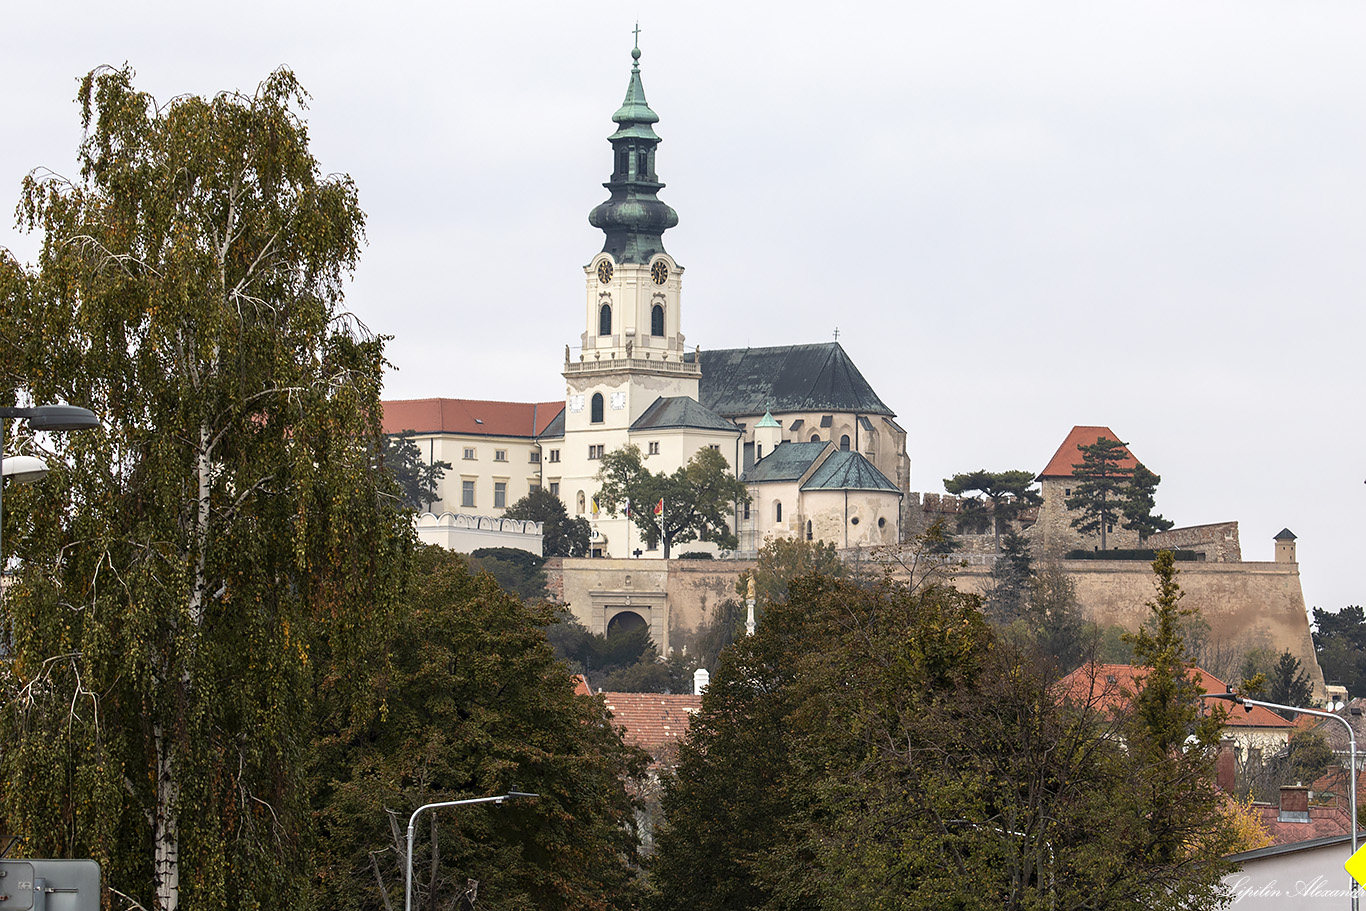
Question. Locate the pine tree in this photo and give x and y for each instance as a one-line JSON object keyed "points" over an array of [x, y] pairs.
{"points": [[1139, 502], [1102, 485], [1001, 496]]}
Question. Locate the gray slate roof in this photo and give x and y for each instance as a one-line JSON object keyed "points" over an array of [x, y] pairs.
{"points": [[787, 462], [786, 378], [679, 411], [555, 429], [846, 470]]}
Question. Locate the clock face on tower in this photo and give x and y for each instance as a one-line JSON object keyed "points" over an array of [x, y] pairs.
{"points": [[659, 272], [605, 271]]}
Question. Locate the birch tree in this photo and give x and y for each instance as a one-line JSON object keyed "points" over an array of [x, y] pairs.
{"points": [[197, 567]]}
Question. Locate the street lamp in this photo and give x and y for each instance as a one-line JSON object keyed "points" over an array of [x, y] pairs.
{"points": [[41, 417], [412, 823], [1352, 754]]}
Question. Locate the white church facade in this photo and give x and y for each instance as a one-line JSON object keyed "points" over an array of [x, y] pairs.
{"points": [[820, 453]]}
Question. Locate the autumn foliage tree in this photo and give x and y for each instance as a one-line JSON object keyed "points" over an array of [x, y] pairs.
{"points": [[191, 575], [876, 746]]}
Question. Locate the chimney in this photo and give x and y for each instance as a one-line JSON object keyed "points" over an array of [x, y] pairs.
{"points": [[1294, 803], [700, 679], [1285, 546], [1226, 765]]}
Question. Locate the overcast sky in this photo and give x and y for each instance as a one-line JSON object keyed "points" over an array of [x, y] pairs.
{"points": [[1020, 216]]}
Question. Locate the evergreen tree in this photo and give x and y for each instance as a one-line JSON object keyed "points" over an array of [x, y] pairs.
{"points": [[1340, 641], [1102, 485], [1289, 685], [1170, 730], [1139, 503], [416, 479], [1001, 495], [1010, 580], [217, 555]]}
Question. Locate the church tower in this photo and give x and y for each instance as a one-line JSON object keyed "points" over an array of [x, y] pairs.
{"points": [[631, 352]]}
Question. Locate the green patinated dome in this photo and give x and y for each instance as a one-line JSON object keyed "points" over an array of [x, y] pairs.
{"points": [[633, 218]]}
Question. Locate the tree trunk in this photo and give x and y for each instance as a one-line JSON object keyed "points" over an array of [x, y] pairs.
{"points": [[166, 827]]}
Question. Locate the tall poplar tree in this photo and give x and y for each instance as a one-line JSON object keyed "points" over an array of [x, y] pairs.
{"points": [[219, 549]]}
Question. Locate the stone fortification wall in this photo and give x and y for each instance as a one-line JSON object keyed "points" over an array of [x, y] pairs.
{"points": [[674, 597], [920, 510], [1213, 543], [1245, 604]]}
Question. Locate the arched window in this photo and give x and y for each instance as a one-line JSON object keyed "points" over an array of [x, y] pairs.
{"points": [[815, 437], [777, 510], [605, 320], [808, 530], [657, 321], [844, 443], [580, 504], [596, 414]]}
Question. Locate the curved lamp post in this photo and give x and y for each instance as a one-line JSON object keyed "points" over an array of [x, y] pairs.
{"points": [[1352, 752], [27, 468], [412, 823]]}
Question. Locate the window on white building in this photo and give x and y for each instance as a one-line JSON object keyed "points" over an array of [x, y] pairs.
{"points": [[466, 493], [500, 494], [469, 452], [654, 447], [500, 455]]}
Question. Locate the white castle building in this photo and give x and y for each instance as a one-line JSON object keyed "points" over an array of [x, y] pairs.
{"points": [[821, 454]]}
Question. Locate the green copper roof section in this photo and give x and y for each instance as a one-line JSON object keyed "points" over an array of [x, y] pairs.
{"points": [[635, 115], [634, 218], [767, 421], [846, 470]]}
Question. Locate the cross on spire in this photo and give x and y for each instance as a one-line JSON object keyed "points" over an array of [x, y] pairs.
{"points": [[837, 333], [637, 34]]}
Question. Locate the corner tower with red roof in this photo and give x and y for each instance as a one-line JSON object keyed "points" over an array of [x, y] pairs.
{"points": [[1054, 531]]}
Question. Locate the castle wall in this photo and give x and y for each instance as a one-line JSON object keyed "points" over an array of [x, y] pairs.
{"points": [[1214, 543], [674, 597], [1245, 604]]}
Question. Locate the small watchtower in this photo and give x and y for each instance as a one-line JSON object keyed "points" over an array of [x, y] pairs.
{"points": [[1285, 546]]}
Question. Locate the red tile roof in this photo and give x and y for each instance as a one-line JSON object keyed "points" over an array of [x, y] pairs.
{"points": [[1324, 821], [652, 720], [1108, 683], [1069, 453], [470, 417]]}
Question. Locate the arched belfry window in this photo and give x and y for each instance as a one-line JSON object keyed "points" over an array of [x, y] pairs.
{"points": [[844, 443], [605, 320], [778, 510], [657, 321], [596, 414]]}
